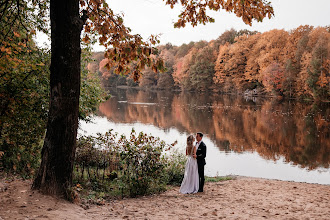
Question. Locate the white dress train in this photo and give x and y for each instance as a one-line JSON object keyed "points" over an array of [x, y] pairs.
{"points": [[190, 182]]}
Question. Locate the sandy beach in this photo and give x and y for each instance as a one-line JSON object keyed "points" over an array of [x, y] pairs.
{"points": [[242, 198]]}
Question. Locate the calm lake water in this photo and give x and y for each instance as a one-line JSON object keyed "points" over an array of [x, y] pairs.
{"points": [[248, 137]]}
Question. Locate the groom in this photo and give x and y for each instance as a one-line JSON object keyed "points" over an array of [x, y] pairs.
{"points": [[201, 154]]}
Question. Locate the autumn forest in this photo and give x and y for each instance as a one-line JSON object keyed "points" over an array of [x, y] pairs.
{"points": [[290, 64]]}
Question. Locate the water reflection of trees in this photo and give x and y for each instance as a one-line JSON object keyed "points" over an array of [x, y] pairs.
{"points": [[299, 132]]}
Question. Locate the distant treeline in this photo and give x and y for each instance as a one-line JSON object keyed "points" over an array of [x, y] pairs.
{"points": [[292, 64]]}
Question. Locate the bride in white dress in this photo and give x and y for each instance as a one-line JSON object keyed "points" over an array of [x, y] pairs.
{"points": [[190, 183]]}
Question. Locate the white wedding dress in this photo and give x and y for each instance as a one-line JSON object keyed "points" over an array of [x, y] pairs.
{"points": [[190, 182]]}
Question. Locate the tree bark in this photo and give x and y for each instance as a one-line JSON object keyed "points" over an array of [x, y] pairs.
{"points": [[55, 173]]}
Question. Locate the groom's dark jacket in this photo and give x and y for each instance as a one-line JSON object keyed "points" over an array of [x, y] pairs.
{"points": [[201, 154]]}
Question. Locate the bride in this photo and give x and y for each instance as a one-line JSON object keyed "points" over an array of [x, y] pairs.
{"points": [[190, 183]]}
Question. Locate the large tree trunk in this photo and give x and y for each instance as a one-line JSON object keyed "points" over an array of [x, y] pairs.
{"points": [[55, 173]]}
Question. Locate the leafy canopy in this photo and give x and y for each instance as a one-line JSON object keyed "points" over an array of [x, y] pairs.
{"points": [[194, 12], [122, 48]]}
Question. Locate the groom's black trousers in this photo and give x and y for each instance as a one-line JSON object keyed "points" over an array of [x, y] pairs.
{"points": [[201, 154], [201, 175]]}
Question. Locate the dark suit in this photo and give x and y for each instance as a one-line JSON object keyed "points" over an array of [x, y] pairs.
{"points": [[201, 154]]}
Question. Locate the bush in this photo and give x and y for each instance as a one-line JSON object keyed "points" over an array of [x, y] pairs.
{"points": [[131, 166], [140, 157], [174, 168]]}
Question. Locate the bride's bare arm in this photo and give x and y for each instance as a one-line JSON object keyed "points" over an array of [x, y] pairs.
{"points": [[194, 153]]}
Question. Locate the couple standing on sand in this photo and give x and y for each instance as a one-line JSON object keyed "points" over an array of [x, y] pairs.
{"points": [[193, 180]]}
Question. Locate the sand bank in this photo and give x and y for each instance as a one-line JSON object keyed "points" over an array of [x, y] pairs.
{"points": [[242, 198]]}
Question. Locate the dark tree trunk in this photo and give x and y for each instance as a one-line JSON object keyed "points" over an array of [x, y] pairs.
{"points": [[55, 173]]}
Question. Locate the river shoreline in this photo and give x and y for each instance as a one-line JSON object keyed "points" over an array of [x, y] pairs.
{"points": [[248, 94]]}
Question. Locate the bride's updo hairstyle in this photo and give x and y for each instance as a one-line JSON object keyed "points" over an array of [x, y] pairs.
{"points": [[190, 142]]}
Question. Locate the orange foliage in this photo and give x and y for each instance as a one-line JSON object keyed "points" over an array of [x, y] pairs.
{"points": [[292, 48], [122, 46], [302, 54], [274, 77], [103, 64], [195, 11], [270, 48], [181, 69], [221, 71]]}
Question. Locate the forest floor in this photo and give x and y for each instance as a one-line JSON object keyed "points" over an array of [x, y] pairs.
{"points": [[241, 198]]}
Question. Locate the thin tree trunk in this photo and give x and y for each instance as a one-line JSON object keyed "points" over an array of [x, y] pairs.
{"points": [[89, 175], [55, 173], [82, 172]]}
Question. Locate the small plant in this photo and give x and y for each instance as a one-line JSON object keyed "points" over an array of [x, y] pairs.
{"points": [[218, 178]]}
